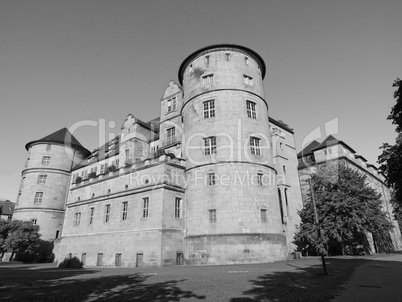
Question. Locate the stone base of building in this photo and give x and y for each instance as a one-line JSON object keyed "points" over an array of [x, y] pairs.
{"points": [[235, 248]]}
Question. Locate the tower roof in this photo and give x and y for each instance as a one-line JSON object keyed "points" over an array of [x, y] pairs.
{"points": [[62, 136], [197, 53]]}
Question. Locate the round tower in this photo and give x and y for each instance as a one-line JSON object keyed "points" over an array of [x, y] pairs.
{"points": [[233, 211], [45, 181]]}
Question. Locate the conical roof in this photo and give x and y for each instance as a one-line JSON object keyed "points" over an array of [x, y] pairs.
{"points": [[62, 136]]}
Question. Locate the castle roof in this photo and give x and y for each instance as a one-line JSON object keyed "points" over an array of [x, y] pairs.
{"points": [[281, 124], [62, 136], [332, 141], [308, 149], [7, 207], [206, 49]]}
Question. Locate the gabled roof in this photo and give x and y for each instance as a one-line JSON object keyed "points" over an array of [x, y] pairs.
{"points": [[62, 136], [331, 141], [308, 149], [281, 124]]}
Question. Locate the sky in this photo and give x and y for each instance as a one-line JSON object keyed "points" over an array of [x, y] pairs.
{"points": [[69, 63]]}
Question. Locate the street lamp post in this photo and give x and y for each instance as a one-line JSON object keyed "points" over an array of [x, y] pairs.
{"points": [[324, 266]]}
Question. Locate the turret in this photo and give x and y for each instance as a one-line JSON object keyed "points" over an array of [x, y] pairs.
{"points": [[233, 207], [45, 180]]}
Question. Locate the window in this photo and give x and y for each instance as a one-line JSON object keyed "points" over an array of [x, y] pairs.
{"points": [[83, 258], [280, 206], [264, 217], [248, 80], [127, 152], [286, 202], [209, 109], [117, 261], [94, 170], [57, 234], [125, 208], [212, 216], [74, 178], [171, 134], [45, 160], [85, 176], [246, 60], [208, 79], [210, 145], [177, 207], [91, 215], [42, 179], [102, 169], [284, 169], [227, 56], [107, 213], [191, 68], [255, 146], [251, 112], [34, 220], [48, 147], [145, 210], [211, 179], [38, 197], [207, 60], [171, 104], [259, 179], [77, 218], [117, 163]]}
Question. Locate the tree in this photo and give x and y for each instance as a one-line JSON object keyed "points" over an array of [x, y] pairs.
{"points": [[4, 229], [347, 208], [391, 158], [18, 236]]}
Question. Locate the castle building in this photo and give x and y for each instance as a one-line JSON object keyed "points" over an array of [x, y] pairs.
{"points": [[45, 181], [213, 180], [332, 150]]}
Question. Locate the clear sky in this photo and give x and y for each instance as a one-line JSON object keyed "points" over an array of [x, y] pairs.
{"points": [[62, 62]]}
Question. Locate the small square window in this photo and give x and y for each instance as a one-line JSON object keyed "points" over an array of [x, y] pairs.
{"points": [[210, 145], [248, 80], [42, 179], [212, 216], [38, 197], [208, 79], [209, 109], [211, 180], [45, 160], [255, 146]]}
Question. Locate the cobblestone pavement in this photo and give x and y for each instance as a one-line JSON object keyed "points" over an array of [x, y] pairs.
{"points": [[295, 280]]}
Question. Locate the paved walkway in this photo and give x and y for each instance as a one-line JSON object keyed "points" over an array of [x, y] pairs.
{"points": [[380, 279]]}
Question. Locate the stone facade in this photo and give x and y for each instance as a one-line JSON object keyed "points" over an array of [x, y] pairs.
{"points": [[213, 180]]}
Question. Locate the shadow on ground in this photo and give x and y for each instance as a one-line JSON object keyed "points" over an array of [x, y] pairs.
{"points": [[302, 284], [55, 284]]}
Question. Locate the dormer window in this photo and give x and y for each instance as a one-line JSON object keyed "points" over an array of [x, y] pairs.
{"points": [[171, 104]]}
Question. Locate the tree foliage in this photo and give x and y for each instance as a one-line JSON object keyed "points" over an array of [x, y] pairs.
{"points": [[347, 208], [391, 158], [17, 235]]}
